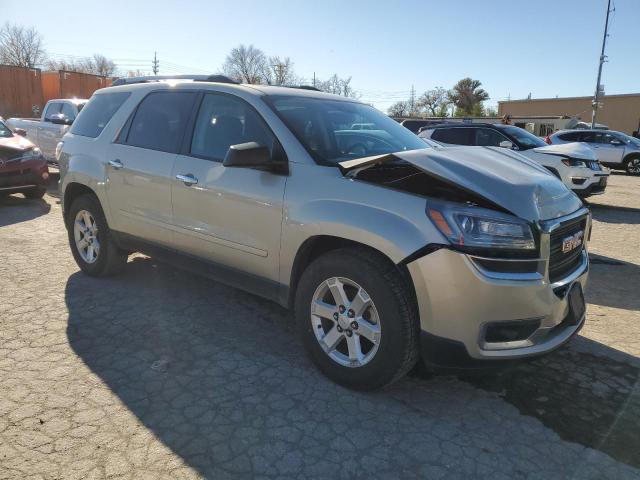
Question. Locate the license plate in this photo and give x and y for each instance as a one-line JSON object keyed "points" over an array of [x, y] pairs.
{"points": [[576, 304], [603, 181]]}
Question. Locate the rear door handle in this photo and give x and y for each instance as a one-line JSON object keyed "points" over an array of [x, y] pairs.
{"points": [[187, 179], [117, 164]]}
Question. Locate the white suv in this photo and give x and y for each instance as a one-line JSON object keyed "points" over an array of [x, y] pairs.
{"points": [[575, 164]]}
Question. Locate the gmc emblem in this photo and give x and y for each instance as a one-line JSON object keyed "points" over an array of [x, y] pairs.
{"points": [[572, 242]]}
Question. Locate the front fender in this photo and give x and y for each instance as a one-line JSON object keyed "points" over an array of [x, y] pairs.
{"points": [[392, 222]]}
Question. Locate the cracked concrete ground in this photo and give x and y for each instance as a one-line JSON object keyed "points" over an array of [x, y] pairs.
{"points": [[158, 373]]}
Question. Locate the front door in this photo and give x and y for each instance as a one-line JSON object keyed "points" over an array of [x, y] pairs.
{"points": [[606, 151], [140, 166], [229, 215]]}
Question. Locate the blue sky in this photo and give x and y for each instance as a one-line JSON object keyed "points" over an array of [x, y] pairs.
{"points": [[545, 48]]}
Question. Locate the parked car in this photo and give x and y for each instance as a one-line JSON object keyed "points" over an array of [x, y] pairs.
{"points": [[383, 251], [575, 165], [23, 169], [614, 149], [48, 130]]}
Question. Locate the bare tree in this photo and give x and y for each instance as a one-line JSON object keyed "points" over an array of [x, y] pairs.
{"points": [[279, 71], [246, 64], [103, 66], [20, 46], [96, 65], [435, 102], [337, 86], [399, 109]]}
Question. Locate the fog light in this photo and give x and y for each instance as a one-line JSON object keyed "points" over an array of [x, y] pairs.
{"points": [[510, 331], [45, 175], [578, 180]]}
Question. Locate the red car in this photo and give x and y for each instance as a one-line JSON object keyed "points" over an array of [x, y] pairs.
{"points": [[23, 169]]}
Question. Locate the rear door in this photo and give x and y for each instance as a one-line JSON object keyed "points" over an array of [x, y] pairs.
{"points": [[606, 151], [140, 165], [231, 216]]}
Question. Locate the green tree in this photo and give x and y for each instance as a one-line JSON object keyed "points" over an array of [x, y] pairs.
{"points": [[467, 96]]}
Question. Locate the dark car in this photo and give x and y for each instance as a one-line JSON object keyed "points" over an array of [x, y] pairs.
{"points": [[23, 169]]}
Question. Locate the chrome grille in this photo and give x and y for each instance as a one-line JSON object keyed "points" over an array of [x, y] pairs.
{"points": [[562, 263]]}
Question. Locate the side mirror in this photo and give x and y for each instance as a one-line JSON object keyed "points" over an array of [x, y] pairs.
{"points": [[252, 155], [20, 131], [61, 120], [505, 144]]}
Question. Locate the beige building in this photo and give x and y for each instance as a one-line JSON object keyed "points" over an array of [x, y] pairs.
{"points": [[618, 112]]}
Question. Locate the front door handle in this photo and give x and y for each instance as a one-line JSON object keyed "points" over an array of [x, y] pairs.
{"points": [[117, 164], [187, 179]]}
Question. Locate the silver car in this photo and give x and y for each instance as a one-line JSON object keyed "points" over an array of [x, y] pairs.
{"points": [[614, 149], [388, 249]]}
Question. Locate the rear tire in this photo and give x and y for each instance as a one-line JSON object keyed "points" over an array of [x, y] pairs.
{"points": [[35, 193], [105, 258], [391, 315], [632, 166]]}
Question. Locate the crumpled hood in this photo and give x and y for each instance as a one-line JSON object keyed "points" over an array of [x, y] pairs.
{"points": [[573, 150], [16, 142], [504, 177]]}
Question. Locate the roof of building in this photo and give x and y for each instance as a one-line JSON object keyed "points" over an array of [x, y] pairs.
{"points": [[586, 97]]}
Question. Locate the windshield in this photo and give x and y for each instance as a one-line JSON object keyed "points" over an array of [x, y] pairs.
{"points": [[4, 131], [331, 130], [524, 138]]}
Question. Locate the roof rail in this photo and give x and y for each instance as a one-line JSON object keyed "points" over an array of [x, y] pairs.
{"points": [[159, 78], [305, 87]]}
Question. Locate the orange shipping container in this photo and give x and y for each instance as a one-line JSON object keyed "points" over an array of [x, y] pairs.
{"points": [[20, 91], [63, 84]]}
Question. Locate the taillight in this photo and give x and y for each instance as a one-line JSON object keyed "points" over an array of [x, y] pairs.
{"points": [[547, 139]]}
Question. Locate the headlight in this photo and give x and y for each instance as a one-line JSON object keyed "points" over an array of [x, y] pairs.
{"points": [[31, 154], [480, 228], [572, 162]]}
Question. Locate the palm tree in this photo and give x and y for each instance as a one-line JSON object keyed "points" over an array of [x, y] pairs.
{"points": [[467, 95]]}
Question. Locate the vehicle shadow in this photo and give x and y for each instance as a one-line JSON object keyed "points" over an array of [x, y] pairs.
{"points": [[220, 377], [615, 214], [606, 286], [15, 209]]}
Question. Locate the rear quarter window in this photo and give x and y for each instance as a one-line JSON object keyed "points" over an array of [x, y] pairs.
{"points": [[95, 116], [570, 137]]}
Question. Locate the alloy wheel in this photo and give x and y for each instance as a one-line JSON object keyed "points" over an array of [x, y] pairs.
{"points": [[85, 234], [633, 166], [345, 322]]}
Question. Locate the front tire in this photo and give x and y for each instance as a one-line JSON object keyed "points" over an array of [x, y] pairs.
{"points": [[90, 239], [356, 318], [632, 166], [35, 193]]}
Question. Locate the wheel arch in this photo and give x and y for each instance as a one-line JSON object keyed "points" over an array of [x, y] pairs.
{"points": [[316, 246], [72, 191]]}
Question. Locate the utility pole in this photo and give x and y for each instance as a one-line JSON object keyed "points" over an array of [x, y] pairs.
{"points": [[155, 63], [314, 79], [412, 101], [602, 60]]}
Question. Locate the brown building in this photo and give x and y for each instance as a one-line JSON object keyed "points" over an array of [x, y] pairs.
{"points": [[618, 112]]}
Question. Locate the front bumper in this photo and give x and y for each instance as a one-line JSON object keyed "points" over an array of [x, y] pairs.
{"points": [[24, 176], [595, 184], [459, 301]]}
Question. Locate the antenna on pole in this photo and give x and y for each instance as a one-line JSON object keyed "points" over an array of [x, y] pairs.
{"points": [[596, 98], [155, 63]]}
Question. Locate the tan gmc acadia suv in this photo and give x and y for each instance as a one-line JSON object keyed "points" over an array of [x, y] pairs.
{"points": [[388, 247]]}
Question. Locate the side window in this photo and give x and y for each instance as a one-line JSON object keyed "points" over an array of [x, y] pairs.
{"points": [[589, 137], [160, 120], [486, 137], [454, 136], [53, 109], [68, 111], [608, 138], [224, 121], [97, 113], [571, 137]]}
